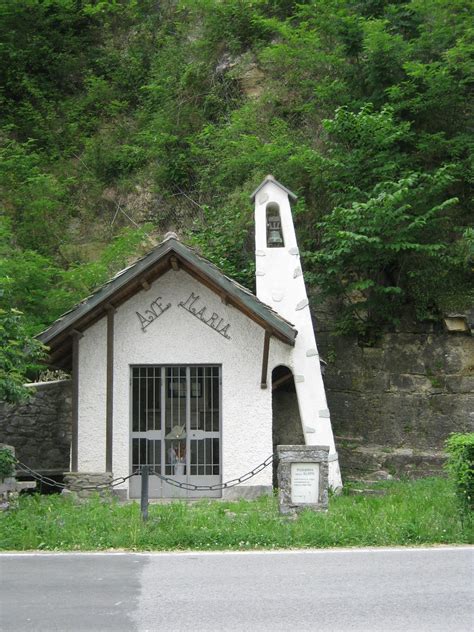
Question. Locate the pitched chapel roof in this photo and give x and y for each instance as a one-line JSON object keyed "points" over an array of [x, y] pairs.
{"points": [[270, 178], [169, 254]]}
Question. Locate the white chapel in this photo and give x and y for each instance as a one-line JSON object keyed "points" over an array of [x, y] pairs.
{"points": [[177, 367]]}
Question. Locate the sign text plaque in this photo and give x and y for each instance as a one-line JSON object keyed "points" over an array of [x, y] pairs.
{"points": [[305, 483]]}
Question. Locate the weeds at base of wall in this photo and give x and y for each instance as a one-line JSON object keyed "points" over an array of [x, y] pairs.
{"points": [[409, 513]]}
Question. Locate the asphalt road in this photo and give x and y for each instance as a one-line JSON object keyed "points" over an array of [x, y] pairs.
{"points": [[356, 589]]}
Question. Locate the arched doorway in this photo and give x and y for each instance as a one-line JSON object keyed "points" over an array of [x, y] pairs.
{"points": [[286, 421]]}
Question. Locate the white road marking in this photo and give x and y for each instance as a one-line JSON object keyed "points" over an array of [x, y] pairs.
{"points": [[419, 549]]}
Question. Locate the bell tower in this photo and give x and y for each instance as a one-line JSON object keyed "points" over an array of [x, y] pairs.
{"points": [[280, 284]]}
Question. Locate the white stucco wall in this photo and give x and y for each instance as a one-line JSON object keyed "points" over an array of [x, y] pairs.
{"points": [[92, 396], [177, 337]]}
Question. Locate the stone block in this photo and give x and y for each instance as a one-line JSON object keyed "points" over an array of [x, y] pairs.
{"points": [[375, 462], [447, 354], [86, 484], [460, 383], [409, 383], [373, 357], [456, 323], [355, 464], [381, 475], [336, 379], [347, 352], [370, 381], [302, 478], [403, 354], [415, 465]]}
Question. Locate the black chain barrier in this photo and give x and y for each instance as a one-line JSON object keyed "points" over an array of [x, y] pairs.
{"points": [[52, 483], [217, 486], [171, 481]]}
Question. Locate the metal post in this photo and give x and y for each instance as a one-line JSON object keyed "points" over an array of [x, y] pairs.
{"points": [[144, 497]]}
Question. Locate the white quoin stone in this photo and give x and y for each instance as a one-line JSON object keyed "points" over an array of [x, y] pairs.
{"points": [[302, 304], [279, 268]]}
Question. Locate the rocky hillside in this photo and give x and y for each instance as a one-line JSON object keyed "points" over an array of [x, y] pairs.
{"points": [[123, 119]]}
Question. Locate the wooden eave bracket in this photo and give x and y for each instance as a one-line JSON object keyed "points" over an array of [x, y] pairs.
{"points": [[266, 350]]}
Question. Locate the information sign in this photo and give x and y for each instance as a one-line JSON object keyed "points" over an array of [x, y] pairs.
{"points": [[305, 483]]}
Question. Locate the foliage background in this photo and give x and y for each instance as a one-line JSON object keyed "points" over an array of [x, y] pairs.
{"points": [[121, 120]]}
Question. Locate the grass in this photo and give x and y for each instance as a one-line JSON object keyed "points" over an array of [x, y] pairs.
{"points": [[410, 513]]}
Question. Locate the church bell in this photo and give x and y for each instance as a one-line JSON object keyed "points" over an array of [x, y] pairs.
{"points": [[275, 237]]}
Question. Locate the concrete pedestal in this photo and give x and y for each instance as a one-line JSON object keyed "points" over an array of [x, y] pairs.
{"points": [[86, 484]]}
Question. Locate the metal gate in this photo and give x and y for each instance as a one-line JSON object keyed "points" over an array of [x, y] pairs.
{"points": [[176, 427]]}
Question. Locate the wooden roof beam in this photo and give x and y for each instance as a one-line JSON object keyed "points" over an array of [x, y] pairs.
{"points": [[266, 350]]}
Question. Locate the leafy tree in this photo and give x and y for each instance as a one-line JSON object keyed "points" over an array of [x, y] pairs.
{"points": [[19, 356], [379, 253], [34, 285], [34, 199], [27, 280]]}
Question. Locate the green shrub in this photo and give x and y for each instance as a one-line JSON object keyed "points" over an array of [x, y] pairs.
{"points": [[7, 461], [460, 465]]}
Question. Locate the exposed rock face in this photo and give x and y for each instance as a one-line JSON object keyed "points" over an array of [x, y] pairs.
{"points": [[40, 430], [251, 81], [393, 405], [246, 71]]}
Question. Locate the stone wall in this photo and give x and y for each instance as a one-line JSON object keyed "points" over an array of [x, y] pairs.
{"points": [[40, 429], [393, 405]]}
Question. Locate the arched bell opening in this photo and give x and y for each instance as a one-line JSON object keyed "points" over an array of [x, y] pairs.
{"points": [[274, 230], [286, 421]]}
